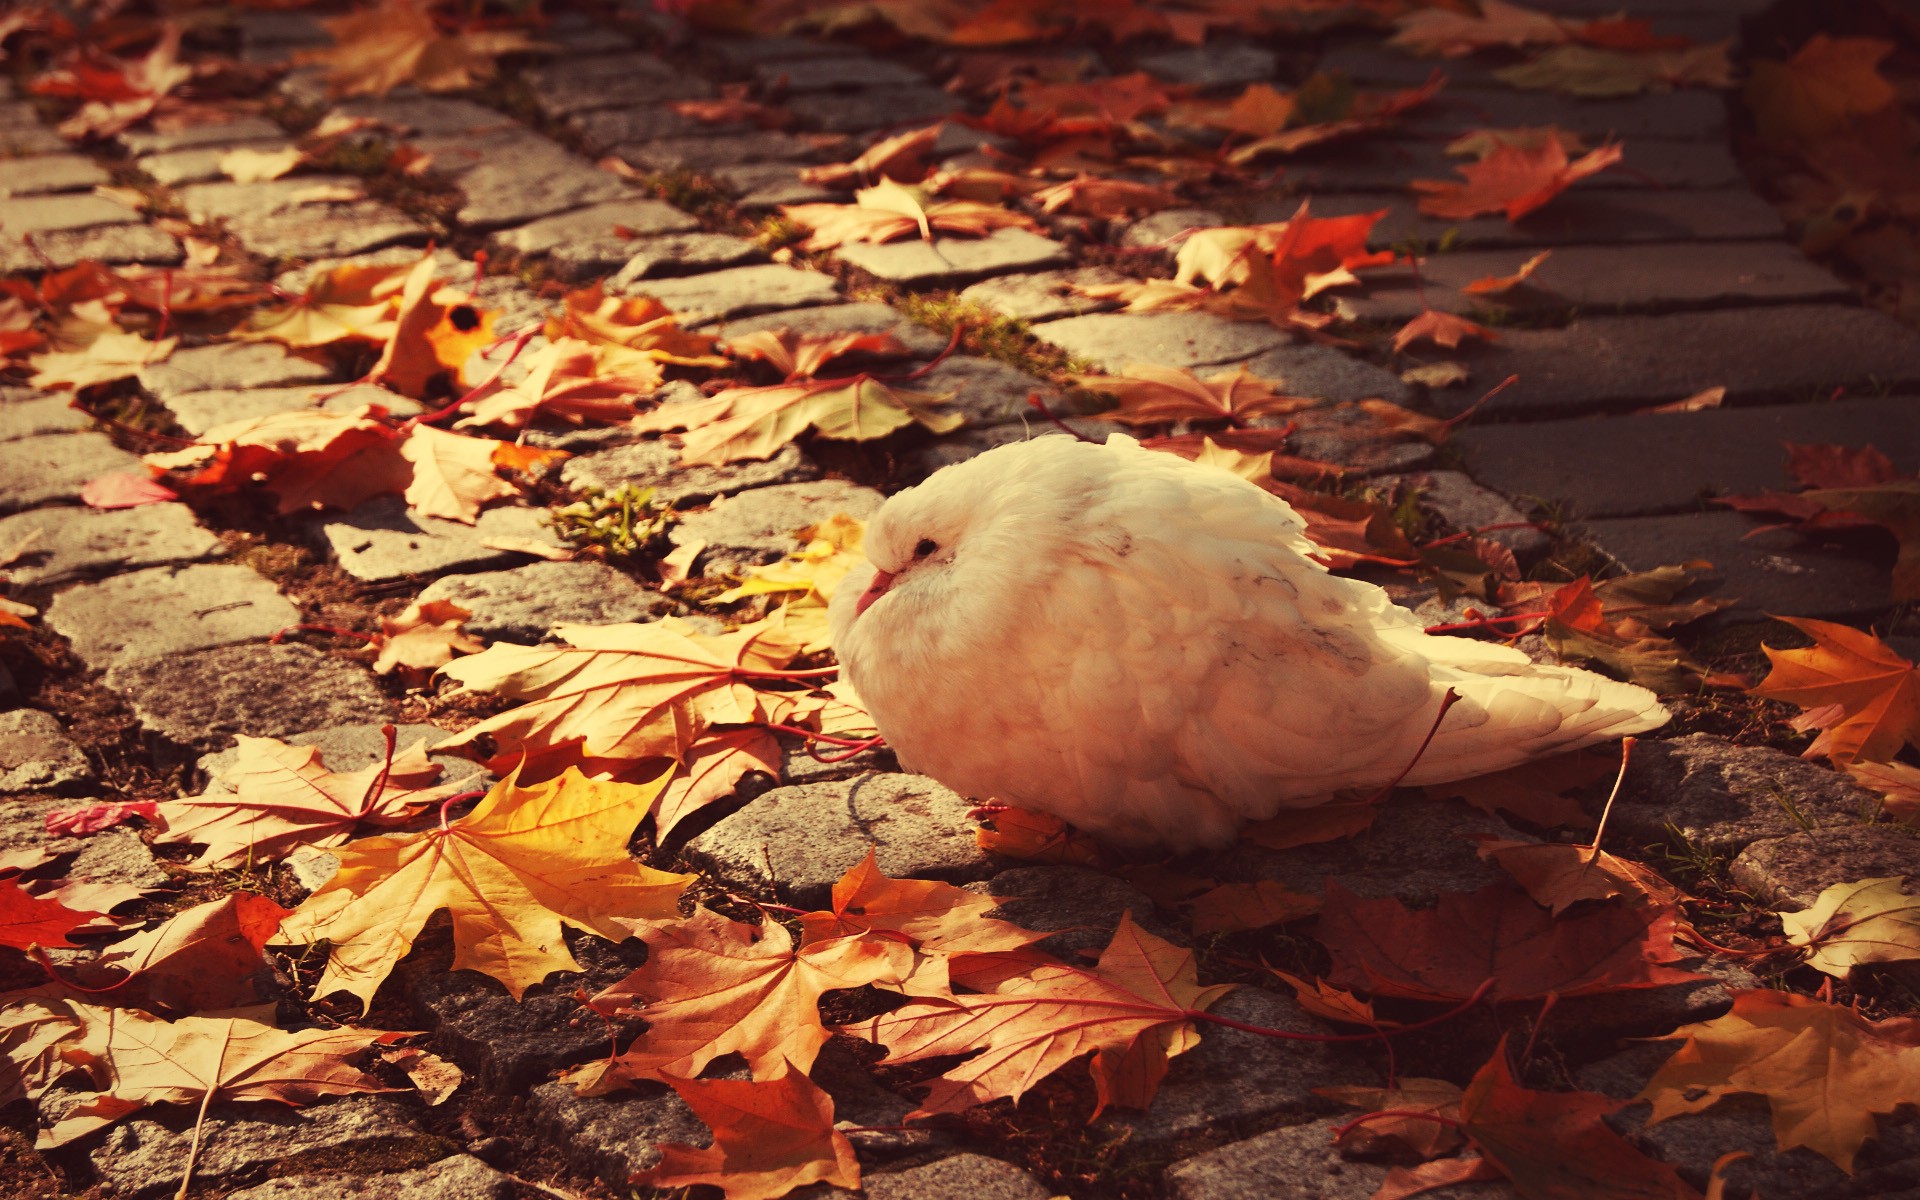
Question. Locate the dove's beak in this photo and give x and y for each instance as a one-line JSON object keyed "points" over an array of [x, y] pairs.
{"points": [[882, 580]]}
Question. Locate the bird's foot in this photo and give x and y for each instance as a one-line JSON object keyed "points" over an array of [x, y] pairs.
{"points": [[981, 812]]}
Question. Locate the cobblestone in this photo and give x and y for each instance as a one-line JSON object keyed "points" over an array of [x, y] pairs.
{"points": [[741, 291], [596, 223], [533, 181], [199, 164], [229, 365], [74, 543], [203, 697], [53, 468], [236, 132], [52, 173], [823, 74], [954, 260], [524, 604], [861, 317], [877, 108], [654, 464], [166, 610], [25, 414], [282, 218], [382, 540], [648, 258], [37, 755], [37, 215], [1043, 295], [112, 244], [1109, 341], [611, 81], [198, 412], [757, 526]]}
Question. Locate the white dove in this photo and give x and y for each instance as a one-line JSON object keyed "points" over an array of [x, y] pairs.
{"points": [[1144, 647]]}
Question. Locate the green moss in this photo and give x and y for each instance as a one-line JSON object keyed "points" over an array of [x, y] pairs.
{"points": [[623, 522]]}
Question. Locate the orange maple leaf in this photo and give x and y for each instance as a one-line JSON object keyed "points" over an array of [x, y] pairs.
{"points": [[770, 1136], [1154, 395], [1862, 697], [1512, 179], [1441, 328]]}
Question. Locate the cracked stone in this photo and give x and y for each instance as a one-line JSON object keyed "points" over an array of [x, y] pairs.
{"points": [[640, 216], [461, 1177], [741, 291], [758, 526], [37, 755], [645, 258], [229, 365], [54, 467], [1043, 295], [382, 540], [72, 543], [614, 1137], [102, 243], [198, 412], [705, 152], [655, 464], [1112, 340], [1792, 871], [524, 604], [204, 697], [37, 215], [25, 413], [167, 610], [276, 218], [955, 260], [1703, 792], [198, 164], [144, 1155], [141, 142], [799, 840], [52, 173], [528, 182]]}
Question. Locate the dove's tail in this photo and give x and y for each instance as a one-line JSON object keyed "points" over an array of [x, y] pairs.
{"points": [[1502, 720]]}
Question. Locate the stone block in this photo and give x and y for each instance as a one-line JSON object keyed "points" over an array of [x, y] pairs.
{"points": [[758, 526], [797, 841], [72, 543], [198, 164], [1159, 230], [1080, 907], [611, 81], [1687, 114], [656, 465], [461, 1177], [655, 257], [612, 1138], [1774, 573], [707, 151], [875, 108], [1669, 462], [993, 393], [834, 74], [769, 185], [1042, 295], [950, 260], [198, 412], [1582, 216], [1311, 369], [1792, 871], [203, 697], [1224, 63], [54, 467], [861, 317], [25, 413], [102, 243], [350, 747], [37, 755], [19, 140], [167, 610], [1109, 341], [1297, 1162], [640, 216], [741, 291], [1590, 278], [140, 142], [382, 540], [1373, 64], [229, 365], [52, 173], [1386, 165], [37, 215], [1786, 351], [960, 1177], [749, 51], [425, 116], [524, 604], [604, 128], [282, 218], [528, 182]]}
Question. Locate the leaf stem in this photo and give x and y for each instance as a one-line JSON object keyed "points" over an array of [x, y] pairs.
{"points": [[1484, 622], [379, 783], [519, 341], [811, 736], [449, 802], [1033, 398], [304, 627], [1446, 702], [1363, 1118]]}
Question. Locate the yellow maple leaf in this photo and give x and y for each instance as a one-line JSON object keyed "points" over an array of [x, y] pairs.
{"points": [[1867, 921], [396, 42], [754, 422], [522, 864], [115, 354]]}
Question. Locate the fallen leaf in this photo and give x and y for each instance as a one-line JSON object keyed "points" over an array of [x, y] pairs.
{"points": [[1311, 826], [889, 211], [1873, 692], [578, 382], [1825, 1070], [1498, 933], [710, 770], [1131, 1011], [1897, 783], [246, 165], [1700, 401], [770, 1136], [454, 474], [1442, 329], [206, 957], [1453, 34], [1092, 196], [115, 354], [1236, 907], [1156, 395], [1481, 142], [1598, 73], [754, 422], [1037, 837], [1828, 84], [125, 489], [524, 863], [26, 920], [398, 43], [306, 458], [433, 1077], [801, 355], [1438, 375], [904, 157], [436, 330], [1854, 924], [424, 638], [1512, 180], [1402, 1132], [92, 818], [1492, 285], [1558, 875], [712, 986]]}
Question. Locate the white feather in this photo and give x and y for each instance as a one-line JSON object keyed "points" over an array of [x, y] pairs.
{"points": [[1142, 646]]}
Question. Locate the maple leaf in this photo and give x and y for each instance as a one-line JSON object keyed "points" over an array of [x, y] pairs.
{"points": [[115, 354], [1512, 179], [1155, 395], [27, 920], [1441, 328], [1258, 111], [206, 957], [618, 692], [1038, 837], [246, 165], [350, 301], [710, 770], [568, 379], [639, 323], [283, 796], [1851, 924], [712, 986], [397, 42], [1092, 196], [117, 93], [904, 157], [1358, 113], [1897, 783], [1601, 73], [1132, 1011], [1559, 1143], [435, 331], [523, 863], [1894, 506], [1450, 34], [888, 211], [422, 639], [1311, 826], [1558, 875], [1874, 694], [307, 458], [1824, 1069], [807, 578], [754, 422], [1829, 83], [802, 355], [1235, 907], [453, 474], [1496, 284], [1401, 1134], [770, 1136], [133, 1060], [1448, 951], [124, 489], [92, 818]]}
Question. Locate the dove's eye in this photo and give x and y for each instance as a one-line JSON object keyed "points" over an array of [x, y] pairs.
{"points": [[924, 547]]}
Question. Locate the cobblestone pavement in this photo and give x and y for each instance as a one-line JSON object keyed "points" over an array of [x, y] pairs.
{"points": [[1665, 280]]}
